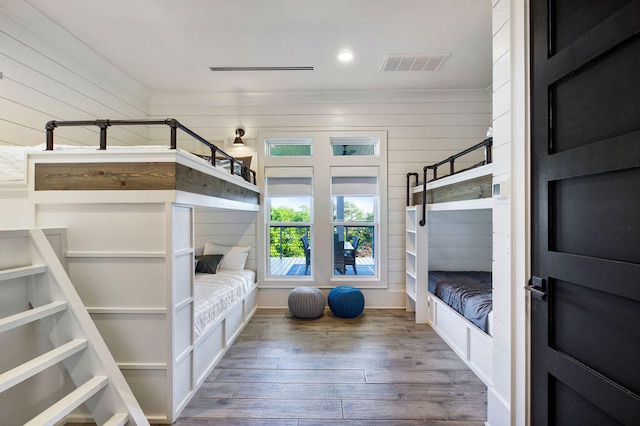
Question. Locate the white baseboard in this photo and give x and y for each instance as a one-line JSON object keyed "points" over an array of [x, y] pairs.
{"points": [[276, 298], [498, 411]]}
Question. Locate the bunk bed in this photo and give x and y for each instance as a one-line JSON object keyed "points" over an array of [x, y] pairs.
{"points": [[132, 256], [449, 254]]}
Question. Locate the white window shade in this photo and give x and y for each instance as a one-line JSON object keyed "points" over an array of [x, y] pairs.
{"points": [[354, 181], [289, 181], [354, 185], [355, 171]]}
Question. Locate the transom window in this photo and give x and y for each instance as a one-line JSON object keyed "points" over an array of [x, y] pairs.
{"points": [[289, 147]]}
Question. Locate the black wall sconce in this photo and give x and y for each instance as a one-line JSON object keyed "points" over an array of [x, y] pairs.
{"points": [[238, 140]]}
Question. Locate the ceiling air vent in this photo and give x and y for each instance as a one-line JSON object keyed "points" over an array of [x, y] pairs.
{"points": [[422, 62]]}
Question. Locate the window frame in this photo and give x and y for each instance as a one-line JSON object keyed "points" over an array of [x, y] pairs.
{"points": [[321, 227]]}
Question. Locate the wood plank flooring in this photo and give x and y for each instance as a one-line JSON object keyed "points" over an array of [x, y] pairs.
{"points": [[380, 369]]}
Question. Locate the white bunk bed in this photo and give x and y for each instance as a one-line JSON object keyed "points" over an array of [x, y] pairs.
{"points": [[131, 249], [455, 247]]}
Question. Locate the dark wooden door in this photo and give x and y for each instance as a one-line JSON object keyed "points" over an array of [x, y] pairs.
{"points": [[585, 298]]}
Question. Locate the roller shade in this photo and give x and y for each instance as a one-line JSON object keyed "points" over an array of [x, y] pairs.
{"points": [[354, 181], [289, 181]]}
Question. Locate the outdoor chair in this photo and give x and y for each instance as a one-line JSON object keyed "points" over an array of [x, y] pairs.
{"points": [[307, 253], [338, 255], [350, 255]]}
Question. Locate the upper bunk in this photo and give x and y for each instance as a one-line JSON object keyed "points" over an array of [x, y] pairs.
{"points": [[465, 189], [150, 173]]}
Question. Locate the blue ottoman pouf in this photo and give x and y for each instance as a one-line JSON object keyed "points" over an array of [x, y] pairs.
{"points": [[306, 302], [346, 301]]}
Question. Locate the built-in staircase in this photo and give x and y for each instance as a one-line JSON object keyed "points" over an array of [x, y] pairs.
{"points": [[43, 319]]}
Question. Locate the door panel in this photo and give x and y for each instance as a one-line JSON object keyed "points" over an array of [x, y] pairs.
{"points": [[586, 217], [573, 19], [572, 409], [578, 314], [585, 116], [585, 110]]}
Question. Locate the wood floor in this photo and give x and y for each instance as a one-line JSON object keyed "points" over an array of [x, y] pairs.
{"points": [[379, 369]]}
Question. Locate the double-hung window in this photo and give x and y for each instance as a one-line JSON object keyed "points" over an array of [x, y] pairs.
{"points": [[355, 200], [289, 194]]}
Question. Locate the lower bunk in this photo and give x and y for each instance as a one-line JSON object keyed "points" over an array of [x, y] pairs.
{"points": [[203, 327], [223, 304], [459, 309]]}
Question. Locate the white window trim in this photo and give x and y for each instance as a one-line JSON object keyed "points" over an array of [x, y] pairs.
{"points": [[322, 209]]}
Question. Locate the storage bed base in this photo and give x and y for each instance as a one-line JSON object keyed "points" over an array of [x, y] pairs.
{"points": [[471, 344], [216, 340]]}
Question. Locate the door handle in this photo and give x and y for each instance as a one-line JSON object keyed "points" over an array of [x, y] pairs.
{"points": [[535, 287]]}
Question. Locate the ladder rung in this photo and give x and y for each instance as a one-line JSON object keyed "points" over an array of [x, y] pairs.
{"points": [[22, 271], [66, 405], [31, 315], [36, 365], [119, 419]]}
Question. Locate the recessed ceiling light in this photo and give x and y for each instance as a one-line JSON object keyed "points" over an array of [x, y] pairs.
{"points": [[345, 56]]}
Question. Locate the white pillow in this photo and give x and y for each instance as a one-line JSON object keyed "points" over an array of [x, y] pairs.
{"points": [[212, 248], [234, 258]]}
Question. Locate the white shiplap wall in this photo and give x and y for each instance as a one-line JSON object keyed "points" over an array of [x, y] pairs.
{"points": [[227, 228], [460, 240], [507, 398], [422, 128], [65, 80]]}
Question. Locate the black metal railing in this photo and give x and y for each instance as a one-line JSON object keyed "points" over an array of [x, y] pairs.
{"points": [[174, 125], [485, 144], [364, 241], [409, 186]]}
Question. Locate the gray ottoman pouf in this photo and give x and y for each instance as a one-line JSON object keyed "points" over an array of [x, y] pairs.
{"points": [[306, 302]]}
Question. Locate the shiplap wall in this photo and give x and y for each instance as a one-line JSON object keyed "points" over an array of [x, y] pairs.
{"points": [[500, 393], [422, 128], [460, 240], [43, 81], [227, 228]]}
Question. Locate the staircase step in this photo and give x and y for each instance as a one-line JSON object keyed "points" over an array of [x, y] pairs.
{"points": [[36, 365], [58, 411], [119, 419], [22, 271], [31, 315]]}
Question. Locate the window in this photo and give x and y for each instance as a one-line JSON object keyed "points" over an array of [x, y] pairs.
{"points": [[325, 208], [289, 147], [354, 146], [289, 195], [354, 194]]}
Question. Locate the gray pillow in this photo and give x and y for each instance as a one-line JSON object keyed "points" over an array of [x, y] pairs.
{"points": [[208, 264]]}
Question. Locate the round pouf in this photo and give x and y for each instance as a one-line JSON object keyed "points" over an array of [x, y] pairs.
{"points": [[346, 301], [306, 302]]}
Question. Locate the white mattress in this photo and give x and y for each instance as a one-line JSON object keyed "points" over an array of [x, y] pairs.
{"points": [[13, 159], [214, 294], [13, 162]]}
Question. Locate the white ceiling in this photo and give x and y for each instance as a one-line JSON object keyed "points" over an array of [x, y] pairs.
{"points": [[169, 45]]}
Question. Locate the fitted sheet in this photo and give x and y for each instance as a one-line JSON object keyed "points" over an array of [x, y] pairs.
{"points": [[467, 292], [215, 293]]}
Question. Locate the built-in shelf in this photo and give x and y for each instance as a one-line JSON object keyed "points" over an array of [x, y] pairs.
{"points": [[415, 298]]}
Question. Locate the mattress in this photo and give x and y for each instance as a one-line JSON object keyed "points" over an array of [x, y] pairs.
{"points": [[13, 159], [467, 292], [215, 294], [13, 162]]}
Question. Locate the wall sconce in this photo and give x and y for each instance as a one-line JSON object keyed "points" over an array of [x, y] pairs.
{"points": [[238, 140]]}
